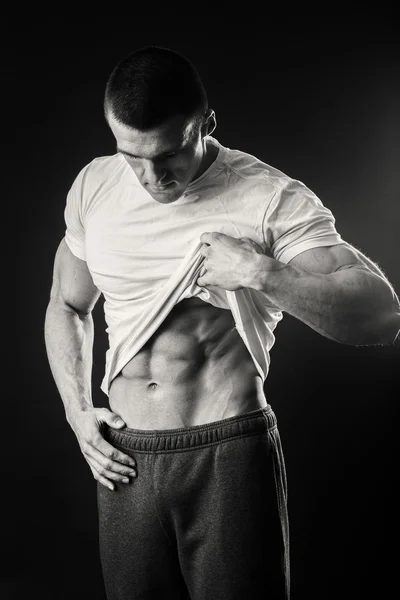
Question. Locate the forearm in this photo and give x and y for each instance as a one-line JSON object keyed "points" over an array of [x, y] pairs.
{"points": [[69, 345], [351, 306]]}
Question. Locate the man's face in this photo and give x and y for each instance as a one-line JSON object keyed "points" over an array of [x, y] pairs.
{"points": [[164, 159]]}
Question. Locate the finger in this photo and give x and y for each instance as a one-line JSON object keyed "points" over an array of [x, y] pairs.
{"points": [[102, 479], [113, 454], [207, 237], [106, 416], [253, 243], [203, 270], [201, 282], [109, 457], [107, 474]]}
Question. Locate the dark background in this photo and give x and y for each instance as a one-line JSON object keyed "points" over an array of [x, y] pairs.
{"points": [[322, 105]]}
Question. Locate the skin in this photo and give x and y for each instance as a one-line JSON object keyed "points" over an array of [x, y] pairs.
{"points": [[175, 380], [171, 155]]}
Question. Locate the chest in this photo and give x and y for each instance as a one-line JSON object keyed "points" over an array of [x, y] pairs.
{"points": [[134, 247]]}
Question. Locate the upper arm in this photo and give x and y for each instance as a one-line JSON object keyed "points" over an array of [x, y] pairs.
{"points": [[72, 282], [295, 220], [328, 259]]}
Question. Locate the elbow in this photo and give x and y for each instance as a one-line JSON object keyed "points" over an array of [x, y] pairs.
{"points": [[386, 321], [392, 330], [380, 323], [389, 323], [381, 330], [83, 315], [58, 306]]}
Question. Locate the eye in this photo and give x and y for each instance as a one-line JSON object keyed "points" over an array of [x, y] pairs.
{"points": [[170, 154]]}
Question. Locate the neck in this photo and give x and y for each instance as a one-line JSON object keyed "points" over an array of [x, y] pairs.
{"points": [[210, 152]]}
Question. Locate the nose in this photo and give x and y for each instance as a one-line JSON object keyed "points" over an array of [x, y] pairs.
{"points": [[154, 173]]}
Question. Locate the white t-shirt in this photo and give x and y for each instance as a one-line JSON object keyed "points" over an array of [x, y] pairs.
{"points": [[144, 256]]}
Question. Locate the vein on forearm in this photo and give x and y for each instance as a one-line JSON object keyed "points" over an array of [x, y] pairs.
{"points": [[69, 343], [351, 305]]}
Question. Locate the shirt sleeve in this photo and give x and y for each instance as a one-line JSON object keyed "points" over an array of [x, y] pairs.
{"points": [[73, 216], [296, 220]]}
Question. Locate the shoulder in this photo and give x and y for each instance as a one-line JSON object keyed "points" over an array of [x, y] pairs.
{"points": [[101, 167], [96, 175], [251, 170]]}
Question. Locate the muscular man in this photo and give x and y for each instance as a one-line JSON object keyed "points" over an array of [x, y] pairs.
{"points": [[197, 250]]}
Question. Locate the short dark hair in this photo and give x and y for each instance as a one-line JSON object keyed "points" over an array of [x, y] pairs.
{"points": [[151, 85]]}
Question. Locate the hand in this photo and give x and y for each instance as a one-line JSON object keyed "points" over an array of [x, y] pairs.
{"points": [[106, 462], [228, 260]]}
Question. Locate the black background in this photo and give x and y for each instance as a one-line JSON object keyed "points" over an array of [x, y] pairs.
{"points": [[321, 103]]}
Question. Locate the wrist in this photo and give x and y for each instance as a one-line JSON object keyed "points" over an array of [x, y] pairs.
{"points": [[72, 412], [265, 274]]}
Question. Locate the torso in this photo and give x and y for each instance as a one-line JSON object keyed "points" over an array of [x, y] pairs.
{"points": [[195, 369]]}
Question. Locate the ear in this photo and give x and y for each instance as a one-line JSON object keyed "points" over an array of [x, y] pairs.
{"points": [[210, 123]]}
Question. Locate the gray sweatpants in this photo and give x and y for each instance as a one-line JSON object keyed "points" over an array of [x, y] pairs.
{"points": [[205, 518]]}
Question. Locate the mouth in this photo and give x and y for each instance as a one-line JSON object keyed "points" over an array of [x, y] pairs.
{"points": [[160, 188]]}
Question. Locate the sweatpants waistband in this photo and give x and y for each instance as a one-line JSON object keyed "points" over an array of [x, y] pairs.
{"points": [[162, 440]]}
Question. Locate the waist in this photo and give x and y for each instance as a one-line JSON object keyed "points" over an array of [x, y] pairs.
{"points": [[172, 400], [184, 438]]}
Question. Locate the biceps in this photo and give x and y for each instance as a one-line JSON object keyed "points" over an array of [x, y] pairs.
{"points": [[333, 258], [72, 282]]}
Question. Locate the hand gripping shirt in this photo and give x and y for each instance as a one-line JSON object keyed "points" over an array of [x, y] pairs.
{"points": [[144, 256]]}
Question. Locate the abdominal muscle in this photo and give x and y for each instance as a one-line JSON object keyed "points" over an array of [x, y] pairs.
{"points": [[195, 369]]}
